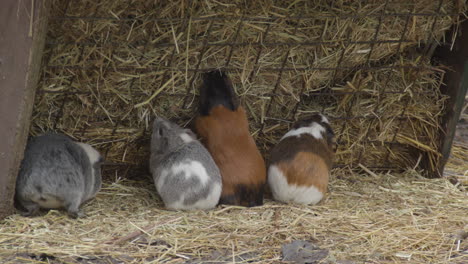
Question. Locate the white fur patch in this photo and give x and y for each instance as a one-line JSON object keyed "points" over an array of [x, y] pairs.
{"points": [[186, 137], [191, 169], [208, 203], [92, 153], [284, 192], [314, 129], [51, 202], [324, 119], [93, 156]]}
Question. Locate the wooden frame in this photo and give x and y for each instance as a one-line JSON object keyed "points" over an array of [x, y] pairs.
{"points": [[455, 85], [23, 26]]}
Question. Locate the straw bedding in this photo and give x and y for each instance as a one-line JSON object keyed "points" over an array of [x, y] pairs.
{"points": [[367, 218], [104, 78]]}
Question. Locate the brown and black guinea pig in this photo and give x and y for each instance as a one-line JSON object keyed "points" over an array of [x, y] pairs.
{"points": [[300, 163], [224, 130]]}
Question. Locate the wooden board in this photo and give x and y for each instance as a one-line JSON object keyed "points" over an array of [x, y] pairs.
{"points": [[456, 83], [22, 35]]}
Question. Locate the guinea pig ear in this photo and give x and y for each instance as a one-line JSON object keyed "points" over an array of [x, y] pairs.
{"points": [[330, 133], [190, 133], [331, 140], [160, 132]]}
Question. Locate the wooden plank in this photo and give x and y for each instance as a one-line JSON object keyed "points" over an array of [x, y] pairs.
{"points": [[455, 86], [22, 36]]}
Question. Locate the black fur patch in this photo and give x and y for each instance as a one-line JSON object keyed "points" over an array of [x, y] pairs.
{"points": [[305, 122], [330, 136], [38, 188], [245, 196], [216, 90]]}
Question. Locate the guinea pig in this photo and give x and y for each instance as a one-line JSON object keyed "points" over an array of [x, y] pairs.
{"points": [[223, 128], [300, 163], [57, 172], [185, 175]]}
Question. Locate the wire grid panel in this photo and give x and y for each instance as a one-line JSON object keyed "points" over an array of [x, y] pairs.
{"points": [[111, 66]]}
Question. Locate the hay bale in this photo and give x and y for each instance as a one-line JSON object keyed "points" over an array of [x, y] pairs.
{"points": [[111, 66]]}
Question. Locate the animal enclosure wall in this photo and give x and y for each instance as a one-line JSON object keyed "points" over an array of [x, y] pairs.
{"points": [[110, 66]]}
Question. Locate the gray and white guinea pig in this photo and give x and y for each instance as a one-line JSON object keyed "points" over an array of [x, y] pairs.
{"points": [[57, 172], [185, 174], [300, 163]]}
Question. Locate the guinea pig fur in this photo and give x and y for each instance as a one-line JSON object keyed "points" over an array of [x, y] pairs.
{"points": [[57, 172], [300, 163], [223, 128], [185, 175]]}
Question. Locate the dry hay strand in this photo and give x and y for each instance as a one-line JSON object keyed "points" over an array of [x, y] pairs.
{"points": [[365, 218], [105, 77]]}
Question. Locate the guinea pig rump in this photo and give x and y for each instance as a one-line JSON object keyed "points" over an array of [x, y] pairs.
{"points": [[185, 175], [223, 127], [57, 172], [300, 166], [307, 169], [241, 164], [187, 186]]}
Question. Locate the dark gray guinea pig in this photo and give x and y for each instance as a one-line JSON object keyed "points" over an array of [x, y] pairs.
{"points": [[185, 174], [57, 172]]}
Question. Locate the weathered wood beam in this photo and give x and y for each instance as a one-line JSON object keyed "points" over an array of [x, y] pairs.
{"points": [[23, 26], [455, 85]]}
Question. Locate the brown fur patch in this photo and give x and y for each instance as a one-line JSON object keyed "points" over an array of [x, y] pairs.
{"points": [[226, 135], [306, 169], [287, 149], [304, 160]]}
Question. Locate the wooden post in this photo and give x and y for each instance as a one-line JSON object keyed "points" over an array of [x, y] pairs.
{"points": [[455, 85], [23, 26]]}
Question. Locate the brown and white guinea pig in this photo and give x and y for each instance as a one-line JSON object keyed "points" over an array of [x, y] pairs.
{"points": [[300, 163], [223, 128]]}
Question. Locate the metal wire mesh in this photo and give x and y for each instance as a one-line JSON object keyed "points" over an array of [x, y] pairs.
{"points": [[105, 39]]}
